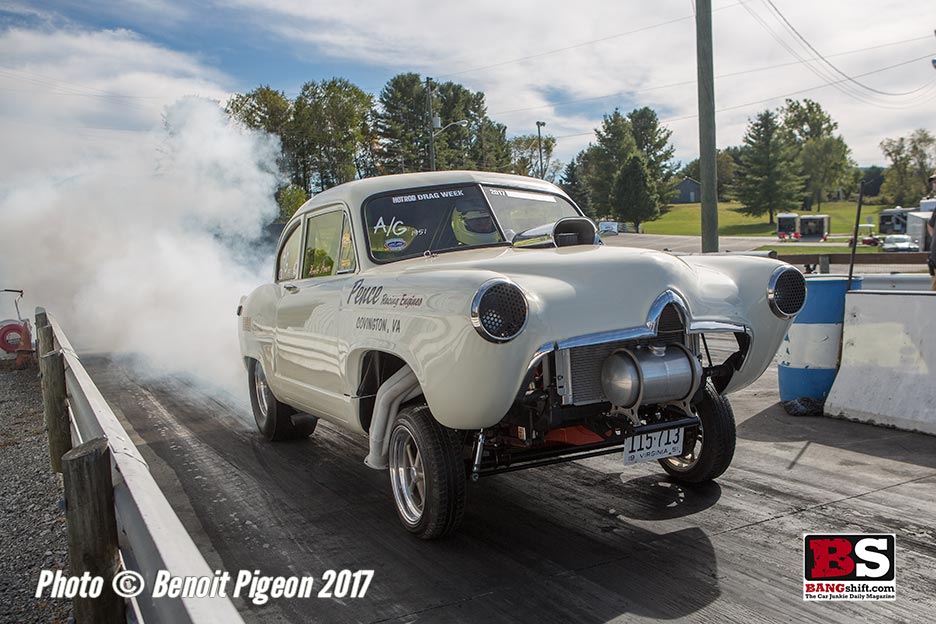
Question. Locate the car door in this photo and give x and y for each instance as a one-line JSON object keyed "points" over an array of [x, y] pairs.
{"points": [[307, 346]]}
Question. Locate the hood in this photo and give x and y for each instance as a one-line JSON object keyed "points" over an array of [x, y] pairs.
{"points": [[586, 289]]}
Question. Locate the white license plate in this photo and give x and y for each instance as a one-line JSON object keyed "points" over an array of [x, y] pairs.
{"points": [[657, 445]]}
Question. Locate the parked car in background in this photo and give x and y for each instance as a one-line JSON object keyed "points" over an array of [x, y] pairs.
{"points": [[900, 242], [471, 324]]}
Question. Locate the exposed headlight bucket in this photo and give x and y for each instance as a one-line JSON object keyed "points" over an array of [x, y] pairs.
{"points": [[499, 310], [786, 292]]}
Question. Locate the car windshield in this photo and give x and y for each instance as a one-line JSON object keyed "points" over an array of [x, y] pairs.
{"points": [[521, 210], [897, 239], [410, 223]]}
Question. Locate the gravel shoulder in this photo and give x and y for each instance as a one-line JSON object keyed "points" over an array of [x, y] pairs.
{"points": [[32, 523]]}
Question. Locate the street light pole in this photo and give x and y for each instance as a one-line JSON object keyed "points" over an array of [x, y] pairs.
{"points": [[430, 123], [539, 145], [436, 122], [707, 155]]}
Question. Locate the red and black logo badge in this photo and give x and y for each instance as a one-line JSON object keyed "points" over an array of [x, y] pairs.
{"points": [[867, 557]]}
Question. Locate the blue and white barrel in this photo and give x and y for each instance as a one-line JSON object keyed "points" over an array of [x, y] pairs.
{"points": [[808, 357]]}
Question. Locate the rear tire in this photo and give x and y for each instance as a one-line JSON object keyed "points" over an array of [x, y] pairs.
{"points": [[274, 419], [707, 450], [427, 473]]}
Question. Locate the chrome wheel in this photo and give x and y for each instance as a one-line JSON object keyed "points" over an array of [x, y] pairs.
{"points": [[407, 475], [260, 389], [691, 454]]}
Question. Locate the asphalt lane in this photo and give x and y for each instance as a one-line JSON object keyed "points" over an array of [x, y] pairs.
{"points": [[581, 542]]}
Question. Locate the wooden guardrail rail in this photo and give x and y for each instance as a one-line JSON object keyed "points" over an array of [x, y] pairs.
{"points": [[149, 534]]}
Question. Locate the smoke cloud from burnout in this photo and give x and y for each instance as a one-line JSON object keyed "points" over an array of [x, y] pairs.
{"points": [[145, 245]]}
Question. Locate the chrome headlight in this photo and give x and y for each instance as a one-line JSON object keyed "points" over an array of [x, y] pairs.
{"points": [[499, 310], [786, 292]]}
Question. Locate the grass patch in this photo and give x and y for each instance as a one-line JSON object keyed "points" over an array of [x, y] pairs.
{"points": [[686, 219]]}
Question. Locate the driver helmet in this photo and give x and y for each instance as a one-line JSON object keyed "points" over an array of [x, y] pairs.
{"points": [[473, 225]]}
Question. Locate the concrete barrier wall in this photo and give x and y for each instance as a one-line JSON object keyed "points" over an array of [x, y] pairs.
{"points": [[899, 281], [888, 369], [809, 353]]}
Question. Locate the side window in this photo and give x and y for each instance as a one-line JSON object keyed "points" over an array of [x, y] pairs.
{"points": [[347, 261], [322, 246], [288, 264]]}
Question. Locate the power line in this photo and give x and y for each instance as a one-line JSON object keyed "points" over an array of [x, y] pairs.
{"points": [[829, 63], [689, 82], [582, 44], [772, 98]]}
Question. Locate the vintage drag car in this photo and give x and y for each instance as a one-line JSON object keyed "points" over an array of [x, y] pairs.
{"points": [[473, 323]]}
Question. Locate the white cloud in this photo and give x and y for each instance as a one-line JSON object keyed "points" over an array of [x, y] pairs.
{"points": [[126, 204], [438, 38]]}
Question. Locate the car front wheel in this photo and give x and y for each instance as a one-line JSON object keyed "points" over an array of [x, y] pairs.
{"points": [[427, 473], [708, 449], [274, 419]]}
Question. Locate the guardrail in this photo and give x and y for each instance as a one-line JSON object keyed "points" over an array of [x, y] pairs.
{"points": [[150, 535]]}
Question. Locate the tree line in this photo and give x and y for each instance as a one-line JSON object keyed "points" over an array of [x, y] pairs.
{"points": [[334, 132], [792, 158]]}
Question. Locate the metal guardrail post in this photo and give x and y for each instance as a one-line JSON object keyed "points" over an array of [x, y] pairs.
{"points": [[52, 369], [92, 529]]}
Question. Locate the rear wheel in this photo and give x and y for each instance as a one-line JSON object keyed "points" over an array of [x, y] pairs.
{"points": [[708, 449], [427, 473], [274, 419]]}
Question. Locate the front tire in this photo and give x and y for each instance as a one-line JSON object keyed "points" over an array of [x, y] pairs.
{"points": [[274, 419], [708, 449], [427, 474]]}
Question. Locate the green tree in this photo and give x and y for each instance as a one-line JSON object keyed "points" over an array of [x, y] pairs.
{"points": [[573, 183], [826, 166], [264, 108], [807, 120], [823, 156], [874, 178], [613, 147], [490, 149], [725, 172], [767, 181], [290, 199], [524, 149], [331, 133], [653, 140], [402, 125], [633, 196], [923, 157], [899, 186]]}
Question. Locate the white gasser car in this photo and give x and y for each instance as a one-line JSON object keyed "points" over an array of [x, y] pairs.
{"points": [[473, 323]]}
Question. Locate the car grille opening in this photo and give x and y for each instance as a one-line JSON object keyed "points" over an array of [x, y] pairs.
{"points": [[502, 311], [788, 293]]}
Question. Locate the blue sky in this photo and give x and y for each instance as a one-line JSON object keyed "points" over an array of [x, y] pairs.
{"points": [[550, 61]]}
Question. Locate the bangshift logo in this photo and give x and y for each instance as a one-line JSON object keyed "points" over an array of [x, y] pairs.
{"points": [[849, 567]]}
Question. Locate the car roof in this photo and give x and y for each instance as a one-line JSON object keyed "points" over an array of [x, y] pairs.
{"points": [[354, 193]]}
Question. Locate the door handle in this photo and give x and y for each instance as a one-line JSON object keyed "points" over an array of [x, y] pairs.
{"points": [[291, 288]]}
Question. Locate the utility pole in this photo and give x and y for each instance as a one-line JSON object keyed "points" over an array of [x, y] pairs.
{"points": [[707, 155], [430, 124], [539, 145]]}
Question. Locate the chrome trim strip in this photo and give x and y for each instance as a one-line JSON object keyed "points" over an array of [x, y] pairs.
{"points": [[564, 376], [664, 299], [702, 327]]}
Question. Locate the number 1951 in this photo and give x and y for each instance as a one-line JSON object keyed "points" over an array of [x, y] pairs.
{"points": [[345, 583]]}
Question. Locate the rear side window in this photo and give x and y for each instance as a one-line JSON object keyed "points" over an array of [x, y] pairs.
{"points": [[289, 257], [323, 244]]}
